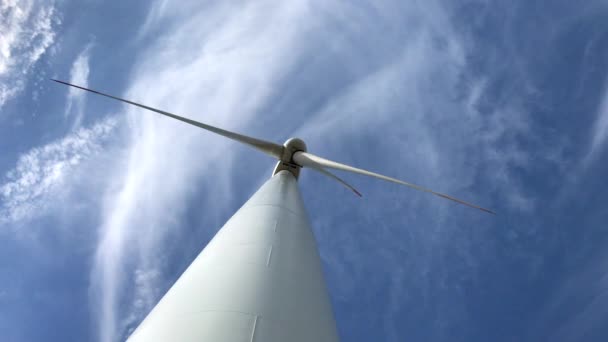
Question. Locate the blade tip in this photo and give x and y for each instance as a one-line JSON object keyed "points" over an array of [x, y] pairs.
{"points": [[488, 211], [59, 81]]}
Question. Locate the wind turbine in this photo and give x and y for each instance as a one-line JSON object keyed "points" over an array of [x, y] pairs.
{"points": [[260, 277]]}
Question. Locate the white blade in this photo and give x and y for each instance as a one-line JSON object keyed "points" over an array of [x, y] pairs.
{"points": [[310, 160], [331, 175], [270, 148]]}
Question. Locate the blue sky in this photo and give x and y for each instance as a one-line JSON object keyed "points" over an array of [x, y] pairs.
{"points": [[504, 104]]}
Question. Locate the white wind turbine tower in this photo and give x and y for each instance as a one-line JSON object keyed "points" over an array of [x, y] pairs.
{"points": [[260, 277]]}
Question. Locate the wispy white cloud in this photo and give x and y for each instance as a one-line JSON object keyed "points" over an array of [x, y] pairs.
{"points": [[79, 74], [145, 281], [27, 31], [225, 74], [578, 308], [433, 120], [600, 129], [403, 86], [440, 121], [37, 181]]}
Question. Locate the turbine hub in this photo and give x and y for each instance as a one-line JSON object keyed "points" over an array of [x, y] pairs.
{"points": [[291, 146]]}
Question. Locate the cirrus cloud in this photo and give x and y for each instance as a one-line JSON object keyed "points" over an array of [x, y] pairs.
{"points": [[27, 31], [40, 174]]}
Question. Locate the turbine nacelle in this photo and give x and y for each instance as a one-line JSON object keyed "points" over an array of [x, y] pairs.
{"points": [[290, 147]]}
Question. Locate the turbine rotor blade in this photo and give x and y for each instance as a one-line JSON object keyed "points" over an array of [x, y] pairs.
{"points": [[306, 159], [270, 148], [331, 175]]}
